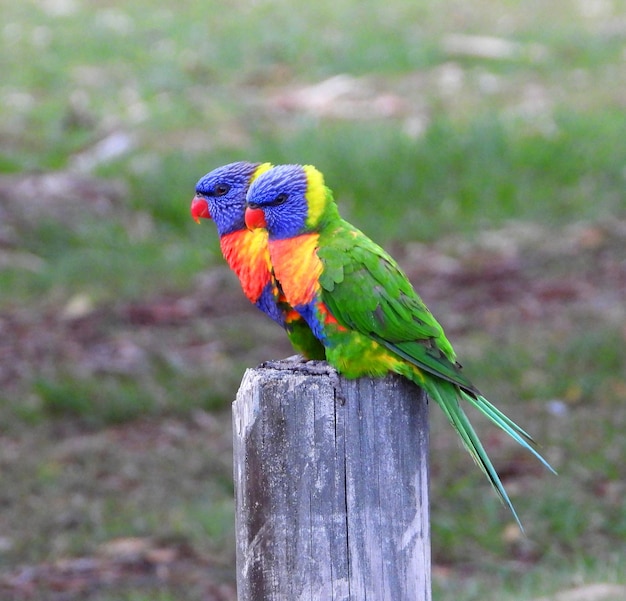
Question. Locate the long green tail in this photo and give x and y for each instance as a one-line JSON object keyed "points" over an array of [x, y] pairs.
{"points": [[447, 395]]}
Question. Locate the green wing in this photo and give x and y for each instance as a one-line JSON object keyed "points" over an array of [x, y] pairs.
{"points": [[365, 290]]}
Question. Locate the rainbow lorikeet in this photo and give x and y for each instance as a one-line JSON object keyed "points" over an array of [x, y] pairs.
{"points": [[360, 304], [221, 195]]}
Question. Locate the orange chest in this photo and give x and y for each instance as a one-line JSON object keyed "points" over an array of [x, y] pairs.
{"points": [[247, 254], [297, 267]]}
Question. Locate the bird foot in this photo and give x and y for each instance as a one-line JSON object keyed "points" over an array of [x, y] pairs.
{"points": [[312, 367]]}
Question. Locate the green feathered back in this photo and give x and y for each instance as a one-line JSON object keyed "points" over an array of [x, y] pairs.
{"points": [[365, 290]]}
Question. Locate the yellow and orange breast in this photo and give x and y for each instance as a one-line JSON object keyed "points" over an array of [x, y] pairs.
{"points": [[247, 254], [297, 267]]}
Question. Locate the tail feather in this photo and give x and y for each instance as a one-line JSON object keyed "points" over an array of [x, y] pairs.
{"points": [[507, 425], [495, 415], [446, 395]]}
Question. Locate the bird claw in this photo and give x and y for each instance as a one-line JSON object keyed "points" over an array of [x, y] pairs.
{"points": [[293, 363], [311, 367]]}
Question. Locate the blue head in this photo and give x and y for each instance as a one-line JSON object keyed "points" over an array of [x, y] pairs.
{"points": [[221, 195], [288, 200]]}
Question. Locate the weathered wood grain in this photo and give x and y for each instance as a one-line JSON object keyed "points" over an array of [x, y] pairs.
{"points": [[331, 490]]}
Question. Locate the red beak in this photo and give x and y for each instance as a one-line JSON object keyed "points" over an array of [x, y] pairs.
{"points": [[255, 218], [200, 209]]}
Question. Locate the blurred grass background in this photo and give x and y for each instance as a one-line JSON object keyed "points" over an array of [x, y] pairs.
{"points": [[482, 143]]}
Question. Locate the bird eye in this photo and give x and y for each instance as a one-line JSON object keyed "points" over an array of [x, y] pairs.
{"points": [[280, 199], [221, 189]]}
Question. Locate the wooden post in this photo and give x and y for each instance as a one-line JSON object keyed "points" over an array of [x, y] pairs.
{"points": [[331, 485]]}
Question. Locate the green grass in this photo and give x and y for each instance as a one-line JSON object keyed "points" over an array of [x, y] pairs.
{"points": [[454, 179], [464, 176], [534, 141]]}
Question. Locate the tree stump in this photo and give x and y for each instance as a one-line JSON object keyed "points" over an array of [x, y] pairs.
{"points": [[331, 486]]}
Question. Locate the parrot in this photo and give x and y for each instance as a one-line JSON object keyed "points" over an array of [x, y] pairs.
{"points": [[221, 195], [361, 306]]}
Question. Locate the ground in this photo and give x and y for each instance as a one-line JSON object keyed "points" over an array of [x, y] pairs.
{"points": [[75, 473]]}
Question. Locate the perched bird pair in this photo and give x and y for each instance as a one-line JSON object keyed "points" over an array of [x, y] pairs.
{"points": [[339, 295]]}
